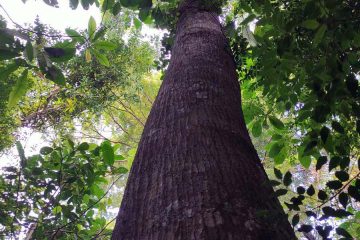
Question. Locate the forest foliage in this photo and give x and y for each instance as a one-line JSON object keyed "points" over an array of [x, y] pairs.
{"points": [[298, 64]]}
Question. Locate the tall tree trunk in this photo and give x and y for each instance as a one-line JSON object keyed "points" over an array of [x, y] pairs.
{"points": [[196, 174]]}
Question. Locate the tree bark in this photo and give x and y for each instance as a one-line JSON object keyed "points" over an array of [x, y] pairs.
{"points": [[196, 174]]}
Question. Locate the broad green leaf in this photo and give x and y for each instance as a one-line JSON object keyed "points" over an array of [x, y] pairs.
{"points": [[55, 74], [107, 5], [336, 184], [343, 199], [58, 54], [324, 134], [248, 19], [305, 161], [310, 191], [337, 127], [83, 146], [85, 4], [137, 23], [311, 24], [342, 176], [144, 16], [344, 233], [46, 150], [275, 149], [116, 8], [280, 192], [91, 28], [74, 4], [276, 122], [19, 90], [300, 190], [87, 55], [322, 195], [295, 220], [8, 54], [334, 162], [278, 173], [107, 153], [105, 45], [287, 178], [320, 162], [319, 35], [57, 210], [74, 35], [257, 129], [29, 51], [101, 58], [7, 70]]}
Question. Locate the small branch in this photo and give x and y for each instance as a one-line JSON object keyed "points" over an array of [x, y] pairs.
{"points": [[85, 211], [338, 192], [103, 229]]}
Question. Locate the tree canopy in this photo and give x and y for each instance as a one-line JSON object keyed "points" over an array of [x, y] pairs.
{"points": [[298, 64]]}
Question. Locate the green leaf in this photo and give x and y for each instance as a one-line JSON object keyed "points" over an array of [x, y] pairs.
{"points": [[248, 19], [320, 162], [295, 220], [144, 15], [324, 134], [83, 146], [322, 195], [7, 54], [276, 122], [107, 153], [278, 173], [74, 4], [121, 170], [107, 5], [280, 192], [305, 161], [310, 191], [91, 27], [7, 70], [85, 4], [305, 228], [310, 24], [257, 129], [344, 233], [137, 23], [310, 146], [337, 127], [58, 54], [116, 9], [334, 162], [46, 150], [101, 58], [74, 35], [275, 149], [55, 74], [319, 35], [287, 178], [343, 199], [342, 176], [29, 51], [105, 45], [19, 90], [57, 210], [334, 184]]}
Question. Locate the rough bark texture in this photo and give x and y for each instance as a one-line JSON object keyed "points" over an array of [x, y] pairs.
{"points": [[196, 174]]}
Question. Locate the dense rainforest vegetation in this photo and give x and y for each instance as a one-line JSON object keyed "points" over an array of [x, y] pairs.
{"points": [[89, 94]]}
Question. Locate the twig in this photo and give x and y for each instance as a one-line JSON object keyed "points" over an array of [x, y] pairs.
{"points": [[84, 212], [338, 192]]}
